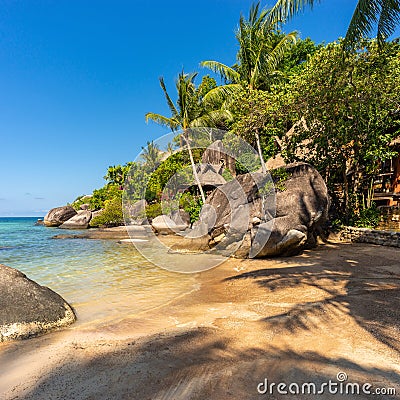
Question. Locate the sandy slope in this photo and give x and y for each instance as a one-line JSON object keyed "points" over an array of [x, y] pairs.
{"points": [[300, 319]]}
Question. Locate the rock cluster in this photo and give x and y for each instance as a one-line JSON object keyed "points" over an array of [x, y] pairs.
{"points": [[67, 218], [249, 217]]}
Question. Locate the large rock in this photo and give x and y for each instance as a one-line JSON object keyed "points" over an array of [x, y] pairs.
{"points": [[57, 216], [135, 212], [165, 225], [180, 217], [229, 207], [28, 309], [196, 240], [79, 221], [281, 223]]}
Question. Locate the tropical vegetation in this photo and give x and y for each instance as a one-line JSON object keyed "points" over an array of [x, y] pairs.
{"points": [[333, 105]]}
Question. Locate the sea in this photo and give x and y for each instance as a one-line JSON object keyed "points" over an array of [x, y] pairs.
{"points": [[105, 281]]}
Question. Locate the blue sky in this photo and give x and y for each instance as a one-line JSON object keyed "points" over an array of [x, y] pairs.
{"points": [[77, 77]]}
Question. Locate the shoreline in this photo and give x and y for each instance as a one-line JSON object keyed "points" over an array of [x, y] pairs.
{"points": [[335, 308], [115, 233]]}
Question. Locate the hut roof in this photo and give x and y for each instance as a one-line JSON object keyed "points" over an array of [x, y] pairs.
{"points": [[209, 176]]}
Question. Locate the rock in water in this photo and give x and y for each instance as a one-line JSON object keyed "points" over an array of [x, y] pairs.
{"points": [[28, 309], [79, 221], [57, 216]]}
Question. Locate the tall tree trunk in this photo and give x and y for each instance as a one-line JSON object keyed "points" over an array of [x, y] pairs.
{"points": [[357, 186], [370, 193], [196, 176], [346, 195], [263, 166]]}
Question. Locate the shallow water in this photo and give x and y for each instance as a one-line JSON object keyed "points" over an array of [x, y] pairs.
{"points": [[101, 279]]}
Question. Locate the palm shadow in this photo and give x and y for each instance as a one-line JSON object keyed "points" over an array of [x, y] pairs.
{"points": [[197, 364], [370, 293]]}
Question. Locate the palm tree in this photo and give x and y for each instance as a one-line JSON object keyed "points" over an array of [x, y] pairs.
{"points": [[190, 111], [151, 156], [170, 148], [368, 14], [261, 49]]}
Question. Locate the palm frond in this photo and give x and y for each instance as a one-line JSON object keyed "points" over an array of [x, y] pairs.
{"points": [[364, 18], [169, 101], [160, 119], [277, 54], [212, 119], [221, 93], [227, 73], [286, 9], [388, 20]]}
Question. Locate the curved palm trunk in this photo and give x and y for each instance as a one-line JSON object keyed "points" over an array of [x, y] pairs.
{"points": [[196, 176], [263, 166]]}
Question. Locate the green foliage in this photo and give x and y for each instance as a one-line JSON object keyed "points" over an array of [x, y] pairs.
{"points": [[279, 177], [76, 204], [153, 210], [347, 105], [111, 215], [277, 182], [116, 174], [226, 174], [254, 112], [366, 218], [162, 175], [247, 162], [261, 50], [191, 204], [173, 171], [100, 196], [136, 181], [296, 56], [151, 156]]}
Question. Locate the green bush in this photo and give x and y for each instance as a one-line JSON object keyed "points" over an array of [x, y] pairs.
{"points": [[111, 215], [100, 196], [247, 162], [226, 174], [191, 204], [153, 210], [366, 218]]}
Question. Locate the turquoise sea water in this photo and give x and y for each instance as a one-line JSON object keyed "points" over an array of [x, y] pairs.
{"points": [[103, 280]]}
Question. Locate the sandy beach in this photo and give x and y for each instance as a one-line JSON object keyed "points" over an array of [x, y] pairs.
{"points": [[300, 319]]}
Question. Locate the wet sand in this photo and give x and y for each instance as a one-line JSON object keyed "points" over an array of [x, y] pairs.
{"points": [[300, 319]]}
